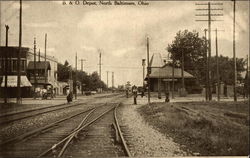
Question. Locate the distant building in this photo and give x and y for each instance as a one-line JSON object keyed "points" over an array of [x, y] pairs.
{"points": [[27, 71], [12, 54], [41, 66], [162, 74], [51, 70], [63, 87]]}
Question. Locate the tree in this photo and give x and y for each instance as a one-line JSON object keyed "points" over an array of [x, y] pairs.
{"points": [[194, 49], [95, 82], [63, 71], [226, 69], [90, 82]]}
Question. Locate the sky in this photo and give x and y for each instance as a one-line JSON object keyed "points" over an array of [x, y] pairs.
{"points": [[119, 32]]}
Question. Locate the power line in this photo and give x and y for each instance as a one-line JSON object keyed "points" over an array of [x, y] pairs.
{"points": [[209, 14]]}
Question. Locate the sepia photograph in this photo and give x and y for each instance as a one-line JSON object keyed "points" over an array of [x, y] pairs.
{"points": [[124, 78]]}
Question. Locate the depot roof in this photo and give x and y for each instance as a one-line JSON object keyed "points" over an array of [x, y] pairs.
{"points": [[167, 72], [161, 70]]}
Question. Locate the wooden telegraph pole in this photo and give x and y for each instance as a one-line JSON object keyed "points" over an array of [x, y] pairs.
{"points": [[206, 67], [107, 79], [6, 67], [100, 64], [112, 82], [149, 71], [217, 67], [19, 101], [35, 82], [82, 60], [209, 52], [39, 56], [0, 21], [45, 58], [217, 64], [234, 54], [76, 79], [182, 71], [248, 78], [173, 66], [143, 72], [209, 15]]}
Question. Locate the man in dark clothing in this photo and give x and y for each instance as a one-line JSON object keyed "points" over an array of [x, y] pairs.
{"points": [[134, 90], [70, 97], [167, 97]]}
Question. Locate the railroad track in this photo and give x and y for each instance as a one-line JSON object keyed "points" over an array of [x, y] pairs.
{"points": [[56, 139], [17, 116]]}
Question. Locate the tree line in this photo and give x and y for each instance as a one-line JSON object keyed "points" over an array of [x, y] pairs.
{"points": [[194, 49], [90, 82]]}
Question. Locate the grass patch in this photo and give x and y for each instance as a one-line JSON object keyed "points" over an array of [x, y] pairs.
{"points": [[208, 128]]}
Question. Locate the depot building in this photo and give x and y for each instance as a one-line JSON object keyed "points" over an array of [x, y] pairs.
{"points": [[163, 75]]}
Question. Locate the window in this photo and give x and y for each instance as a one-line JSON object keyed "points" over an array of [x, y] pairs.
{"points": [[9, 65], [14, 64], [1, 66], [22, 65]]}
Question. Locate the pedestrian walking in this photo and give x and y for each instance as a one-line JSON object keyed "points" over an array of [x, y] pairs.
{"points": [[142, 92], [69, 97], [44, 94], [127, 93], [135, 90], [167, 96]]}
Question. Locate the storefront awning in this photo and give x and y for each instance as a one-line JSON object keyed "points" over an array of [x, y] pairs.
{"points": [[12, 81]]}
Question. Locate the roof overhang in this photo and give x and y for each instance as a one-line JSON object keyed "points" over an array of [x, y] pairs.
{"points": [[12, 81]]}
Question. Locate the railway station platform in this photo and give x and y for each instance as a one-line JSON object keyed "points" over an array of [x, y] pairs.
{"points": [[189, 98], [30, 103]]}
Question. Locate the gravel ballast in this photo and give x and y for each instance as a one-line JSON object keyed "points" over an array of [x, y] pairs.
{"points": [[143, 139]]}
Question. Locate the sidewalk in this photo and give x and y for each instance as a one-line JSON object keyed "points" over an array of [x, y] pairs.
{"points": [[30, 103], [189, 98]]}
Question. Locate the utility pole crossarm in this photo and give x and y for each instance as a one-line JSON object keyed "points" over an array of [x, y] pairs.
{"points": [[208, 20], [202, 9], [207, 12], [208, 3], [210, 14]]}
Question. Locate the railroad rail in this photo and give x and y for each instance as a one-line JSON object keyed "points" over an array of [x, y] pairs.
{"points": [[58, 148], [39, 130], [17, 116]]}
